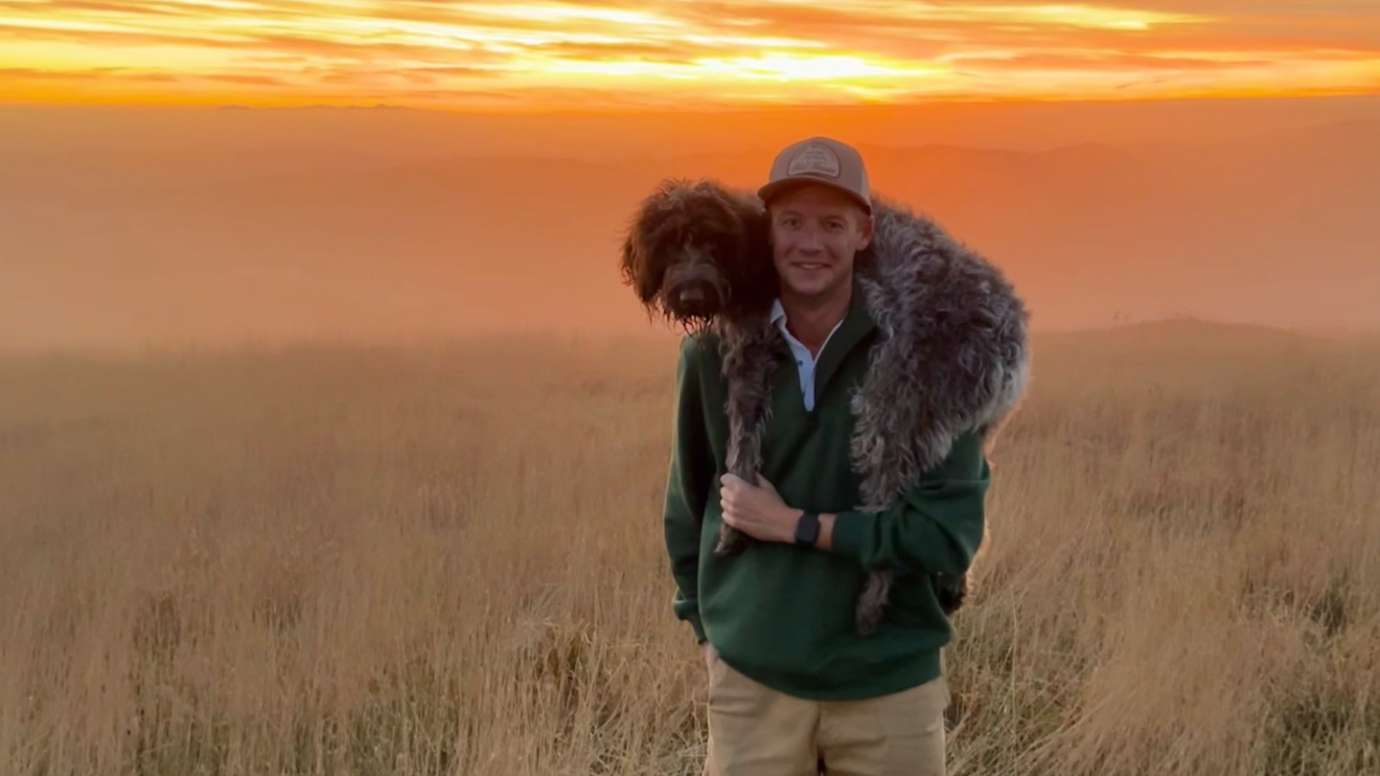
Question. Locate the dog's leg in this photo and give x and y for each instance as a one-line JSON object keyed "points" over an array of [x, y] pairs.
{"points": [[751, 360], [872, 601]]}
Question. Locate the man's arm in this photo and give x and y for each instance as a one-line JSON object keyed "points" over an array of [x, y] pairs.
{"points": [[687, 486], [935, 526]]}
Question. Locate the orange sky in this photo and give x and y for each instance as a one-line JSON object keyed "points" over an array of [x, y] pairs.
{"points": [[543, 55]]}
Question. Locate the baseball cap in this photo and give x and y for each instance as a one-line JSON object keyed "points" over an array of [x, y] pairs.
{"points": [[819, 160]]}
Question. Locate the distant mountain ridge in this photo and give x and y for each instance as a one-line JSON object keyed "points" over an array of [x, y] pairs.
{"points": [[208, 242]]}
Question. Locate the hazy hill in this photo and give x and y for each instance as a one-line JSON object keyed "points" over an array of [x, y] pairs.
{"points": [[209, 236], [1182, 337]]}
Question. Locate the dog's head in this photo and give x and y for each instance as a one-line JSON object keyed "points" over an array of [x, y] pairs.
{"points": [[695, 251]]}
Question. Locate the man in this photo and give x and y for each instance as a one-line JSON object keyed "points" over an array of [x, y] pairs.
{"points": [[791, 680]]}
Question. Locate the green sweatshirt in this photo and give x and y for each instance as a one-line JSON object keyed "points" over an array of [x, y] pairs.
{"points": [[783, 614]]}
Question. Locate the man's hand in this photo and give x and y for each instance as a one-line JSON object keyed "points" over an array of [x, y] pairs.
{"points": [[757, 510]]}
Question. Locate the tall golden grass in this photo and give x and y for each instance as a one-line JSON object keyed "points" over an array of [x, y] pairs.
{"points": [[447, 559]]}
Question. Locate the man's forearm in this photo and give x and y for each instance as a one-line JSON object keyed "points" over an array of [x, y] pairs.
{"points": [[936, 525]]}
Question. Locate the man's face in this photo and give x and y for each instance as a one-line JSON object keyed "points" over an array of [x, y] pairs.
{"points": [[815, 232]]}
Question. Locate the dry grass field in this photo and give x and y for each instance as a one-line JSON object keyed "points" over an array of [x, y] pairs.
{"points": [[447, 559]]}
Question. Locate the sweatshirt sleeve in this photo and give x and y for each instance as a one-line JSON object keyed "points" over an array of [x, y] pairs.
{"points": [[935, 526], [687, 486]]}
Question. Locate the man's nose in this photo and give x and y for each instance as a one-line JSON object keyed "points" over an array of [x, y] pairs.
{"points": [[810, 242]]}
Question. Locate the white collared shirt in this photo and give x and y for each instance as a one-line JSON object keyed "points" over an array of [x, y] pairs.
{"points": [[804, 362]]}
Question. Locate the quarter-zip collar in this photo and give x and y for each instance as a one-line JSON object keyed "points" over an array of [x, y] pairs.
{"points": [[848, 333]]}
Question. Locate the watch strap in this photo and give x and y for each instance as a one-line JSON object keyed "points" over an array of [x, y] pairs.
{"points": [[807, 529]]}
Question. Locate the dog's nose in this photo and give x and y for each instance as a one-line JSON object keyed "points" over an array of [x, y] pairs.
{"points": [[692, 295]]}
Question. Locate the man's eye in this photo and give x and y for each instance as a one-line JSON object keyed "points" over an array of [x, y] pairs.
{"points": [[834, 226]]}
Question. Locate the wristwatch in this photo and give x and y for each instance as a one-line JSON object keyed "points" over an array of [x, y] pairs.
{"points": [[807, 529]]}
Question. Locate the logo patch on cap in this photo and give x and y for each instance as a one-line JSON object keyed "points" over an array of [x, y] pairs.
{"points": [[815, 159]]}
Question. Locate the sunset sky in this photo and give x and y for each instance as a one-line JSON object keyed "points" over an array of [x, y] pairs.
{"points": [[544, 55]]}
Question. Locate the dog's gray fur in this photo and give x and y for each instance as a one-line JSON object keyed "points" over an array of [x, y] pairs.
{"points": [[951, 356]]}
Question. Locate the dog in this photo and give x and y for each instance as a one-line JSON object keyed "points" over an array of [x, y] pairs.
{"points": [[696, 251]]}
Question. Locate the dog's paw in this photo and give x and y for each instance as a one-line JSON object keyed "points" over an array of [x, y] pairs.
{"points": [[867, 618], [951, 590], [731, 541]]}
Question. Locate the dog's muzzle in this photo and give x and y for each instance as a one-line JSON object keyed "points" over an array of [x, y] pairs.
{"points": [[697, 299], [695, 291]]}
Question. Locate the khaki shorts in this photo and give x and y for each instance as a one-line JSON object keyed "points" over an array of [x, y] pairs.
{"points": [[757, 731]]}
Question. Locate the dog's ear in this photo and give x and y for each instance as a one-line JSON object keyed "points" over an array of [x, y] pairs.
{"points": [[630, 260], [636, 269], [642, 268]]}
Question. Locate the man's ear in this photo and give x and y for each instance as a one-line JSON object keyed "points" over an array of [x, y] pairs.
{"points": [[866, 227]]}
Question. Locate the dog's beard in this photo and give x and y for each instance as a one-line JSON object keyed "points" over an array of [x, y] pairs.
{"points": [[695, 324], [694, 293], [689, 323]]}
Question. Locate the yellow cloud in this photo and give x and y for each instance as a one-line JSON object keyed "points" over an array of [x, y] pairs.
{"points": [[563, 13], [710, 51]]}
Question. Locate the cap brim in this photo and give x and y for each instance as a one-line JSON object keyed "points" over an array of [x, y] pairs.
{"points": [[777, 188]]}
